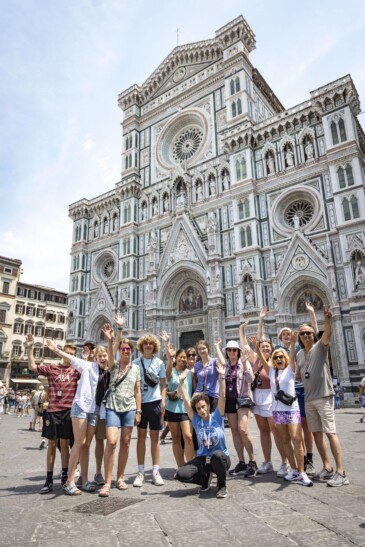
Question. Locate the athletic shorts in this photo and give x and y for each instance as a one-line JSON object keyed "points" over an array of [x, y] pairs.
{"points": [[321, 415], [57, 425], [91, 417], [120, 419], [175, 417], [231, 406], [285, 417], [151, 416], [263, 402]]}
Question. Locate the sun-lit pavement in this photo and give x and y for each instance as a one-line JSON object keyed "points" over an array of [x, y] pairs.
{"points": [[259, 511]]}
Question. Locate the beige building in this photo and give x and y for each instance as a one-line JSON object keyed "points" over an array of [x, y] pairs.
{"points": [[10, 270], [41, 311]]}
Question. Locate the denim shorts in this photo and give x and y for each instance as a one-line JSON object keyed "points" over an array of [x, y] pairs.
{"points": [[91, 417], [120, 419]]}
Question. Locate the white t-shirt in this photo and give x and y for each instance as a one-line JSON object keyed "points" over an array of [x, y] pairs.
{"points": [[86, 387], [286, 383]]}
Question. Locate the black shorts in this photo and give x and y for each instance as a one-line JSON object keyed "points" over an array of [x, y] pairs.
{"points": [[231, 406], [151, 415], [176, 417], [57, 425]]}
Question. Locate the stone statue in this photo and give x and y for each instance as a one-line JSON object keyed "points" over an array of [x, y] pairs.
{"points": [[212, 187], [153, 241], [144, 211], [359, 274], [212, 223], [270, 164], [199, 191], [166, 203], [249, 296], [289, 157], [225, 181], [155, 207], [180, 200], [296, 222], [309, 150]]}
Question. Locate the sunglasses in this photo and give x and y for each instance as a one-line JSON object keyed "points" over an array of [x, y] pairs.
{"points": [[306, 333], [231, 349], [191, 354], [278, 357], [125, 350]]}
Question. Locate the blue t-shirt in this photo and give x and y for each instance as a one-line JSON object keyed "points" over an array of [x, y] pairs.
{"points": [[178, 406], [157, 368], [207, 378], [210, 434]]}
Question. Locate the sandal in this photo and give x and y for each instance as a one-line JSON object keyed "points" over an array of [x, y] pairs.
{"points": [[88, 487], [122, 485], [99, 479], [104, 491], [71, 490]]}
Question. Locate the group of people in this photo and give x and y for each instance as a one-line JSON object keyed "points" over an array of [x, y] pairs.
{"points": [[104, 393]]}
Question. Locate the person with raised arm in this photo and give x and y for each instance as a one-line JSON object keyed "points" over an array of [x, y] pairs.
{"points": [[57, 426], [239, 403], [175, 414], [212, 455], [263, 402], [123, 405], [280, 368], [94, 379], [153, 386], [206, 376], [313, 366]]}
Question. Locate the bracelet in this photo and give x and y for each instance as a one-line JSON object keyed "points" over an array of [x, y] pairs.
{"points": [[119, 328], [138, 411]]}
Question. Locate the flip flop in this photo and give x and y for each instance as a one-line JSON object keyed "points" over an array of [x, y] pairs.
{"points": [[122, 485], [88, 487], [104, 491], [71, 490]]}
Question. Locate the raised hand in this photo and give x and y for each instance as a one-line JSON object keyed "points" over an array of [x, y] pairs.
{"points": [[245, 324], [29, 340], [263, 312], [119, 320], [183, 375], [218, 341], [254, 342], [108, 331], [171, 351], [327, 312], [309, 307], [294, 336], [165, 336], [51, 345], [220, 368]]}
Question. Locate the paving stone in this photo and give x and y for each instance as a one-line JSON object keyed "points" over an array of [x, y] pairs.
{"points": [[136, 538], [173, 522], [215, 537], [319, 538], [287, 523]]}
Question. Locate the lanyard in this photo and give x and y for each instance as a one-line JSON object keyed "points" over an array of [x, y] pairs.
{"points": [[207, 439]]}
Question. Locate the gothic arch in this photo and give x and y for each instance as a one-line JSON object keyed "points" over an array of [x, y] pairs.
{"points": [[291, 294], [176, 280], [95, 329], [287, 140]]}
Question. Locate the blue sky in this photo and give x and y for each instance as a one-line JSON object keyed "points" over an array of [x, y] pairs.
{"points": [[63, 64]]}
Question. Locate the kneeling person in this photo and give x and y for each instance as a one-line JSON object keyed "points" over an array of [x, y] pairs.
{"points": [[212, 454]]}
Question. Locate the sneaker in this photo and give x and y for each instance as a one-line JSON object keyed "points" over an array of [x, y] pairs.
{"points": [[284, 470], [222, 492], [43, 444], [292, 475], [47, 488], [206, 483], [265, 467], [157, 480], [303, 479], [240, 468], [139, 480], [338, 480], [99, 479], [251, 469], [324, 475], [309, 468]]}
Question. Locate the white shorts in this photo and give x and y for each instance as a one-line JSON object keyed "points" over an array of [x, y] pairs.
{"points": [[263, 402]]}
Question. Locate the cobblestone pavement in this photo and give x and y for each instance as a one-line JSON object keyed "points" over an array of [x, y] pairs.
{"points": [[258, 511]]}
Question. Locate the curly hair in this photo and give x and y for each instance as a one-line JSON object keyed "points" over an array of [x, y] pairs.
{"points": [[197, 398], [149, 338]]}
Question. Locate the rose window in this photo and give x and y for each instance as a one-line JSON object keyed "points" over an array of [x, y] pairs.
{"points": [[187, 144], [108, 268], [299, 213]]}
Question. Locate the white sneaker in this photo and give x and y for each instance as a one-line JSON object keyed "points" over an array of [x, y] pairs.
{"points": [[292, 476], [284, 470], [157, 480], [303, 479], [265, 467], [139, 480]]}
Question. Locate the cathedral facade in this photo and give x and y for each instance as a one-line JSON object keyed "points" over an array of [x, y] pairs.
{"points": [[227, 202]]}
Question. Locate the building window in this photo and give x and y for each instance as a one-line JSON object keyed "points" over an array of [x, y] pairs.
{"points": [[21, 291], [115, 222], [38, 331], [17, 328], [19, 309], [2, 316], [345, 176], [127, 213], [350, 208], [37, 353], [96, 229], [40, 313], [28, 329], [244, 209], [105, 225], [246, 236], [16, 351], [30, 311], [6, 287], [241, 168], [234, 109], [338, 131]]}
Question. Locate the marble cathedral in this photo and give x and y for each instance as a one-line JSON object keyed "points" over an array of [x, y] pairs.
{"points": [[227, 202]]}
